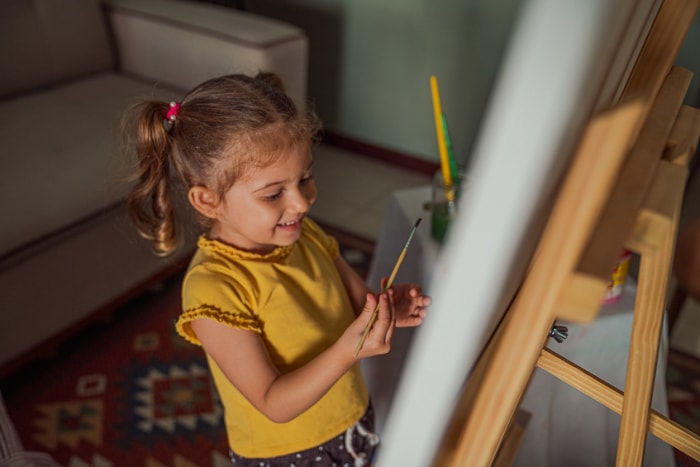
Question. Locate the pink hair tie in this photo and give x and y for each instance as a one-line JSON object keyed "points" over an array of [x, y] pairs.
{"points": [[171, 115]]}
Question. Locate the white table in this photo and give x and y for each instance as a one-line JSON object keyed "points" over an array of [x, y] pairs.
{"points": [[566, 427]]}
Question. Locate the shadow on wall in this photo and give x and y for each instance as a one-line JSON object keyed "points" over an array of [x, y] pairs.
{"points": [[324, 29]]}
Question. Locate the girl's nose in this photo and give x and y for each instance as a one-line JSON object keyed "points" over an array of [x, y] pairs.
{"points": [[299, 202]]}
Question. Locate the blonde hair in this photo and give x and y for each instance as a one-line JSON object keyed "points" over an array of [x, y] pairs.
{"points": [[222, 126]]}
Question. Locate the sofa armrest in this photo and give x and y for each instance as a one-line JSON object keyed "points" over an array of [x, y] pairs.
{"points": [[183, 43]]}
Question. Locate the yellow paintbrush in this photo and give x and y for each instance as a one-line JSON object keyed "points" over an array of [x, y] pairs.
{"points": [[373, 318]]}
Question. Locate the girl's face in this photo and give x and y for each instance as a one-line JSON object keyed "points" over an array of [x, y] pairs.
{"points": [[264, 208]]}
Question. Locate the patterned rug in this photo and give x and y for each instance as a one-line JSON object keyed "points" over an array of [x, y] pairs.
{"points": [[130, 392]]}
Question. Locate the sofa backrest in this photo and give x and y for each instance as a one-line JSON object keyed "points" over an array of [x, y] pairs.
{"points": [[47, 41]]}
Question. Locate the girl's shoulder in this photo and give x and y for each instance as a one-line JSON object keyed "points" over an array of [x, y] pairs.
{"points": [[314, 233], [216, 269], [310, 227]]}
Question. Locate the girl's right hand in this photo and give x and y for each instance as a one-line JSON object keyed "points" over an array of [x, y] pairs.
{"points": [[378, 341]]}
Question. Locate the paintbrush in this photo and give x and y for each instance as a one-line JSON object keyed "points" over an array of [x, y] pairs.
{"points": [[373, 318]]}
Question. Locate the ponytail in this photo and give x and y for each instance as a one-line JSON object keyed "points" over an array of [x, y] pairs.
{"points": [[150, 202]]}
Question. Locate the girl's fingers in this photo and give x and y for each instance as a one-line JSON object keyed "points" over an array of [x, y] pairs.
{"points": [[370, 304], [384, 317], [382, 330], [403, 306]]}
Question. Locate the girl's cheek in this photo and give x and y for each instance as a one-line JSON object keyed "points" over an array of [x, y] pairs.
{"points": [[311, 195]]}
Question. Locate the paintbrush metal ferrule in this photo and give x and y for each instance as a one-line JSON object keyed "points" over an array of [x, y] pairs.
{"points": [[413, 231]]}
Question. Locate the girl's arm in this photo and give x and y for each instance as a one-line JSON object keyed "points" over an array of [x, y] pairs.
{"points": [[356, 287], [243, 358]]}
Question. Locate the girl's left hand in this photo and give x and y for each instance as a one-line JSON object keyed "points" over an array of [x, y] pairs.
{"points": [[409, 304]]}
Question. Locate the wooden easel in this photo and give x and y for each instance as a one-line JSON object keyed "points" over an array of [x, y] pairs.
{"points": [[624, 188]]}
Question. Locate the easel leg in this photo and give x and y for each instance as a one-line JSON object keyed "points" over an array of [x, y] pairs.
{"points": [[641, 366], [655, 245]]}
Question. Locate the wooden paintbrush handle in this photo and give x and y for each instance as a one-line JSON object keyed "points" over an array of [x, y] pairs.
{"points": [[365, 333]]}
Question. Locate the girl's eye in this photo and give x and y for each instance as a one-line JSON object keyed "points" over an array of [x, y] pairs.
{"points": [[273, 197], [306, 179]]}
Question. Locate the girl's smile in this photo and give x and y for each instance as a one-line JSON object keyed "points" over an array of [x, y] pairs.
{"points": [[291, 226]]}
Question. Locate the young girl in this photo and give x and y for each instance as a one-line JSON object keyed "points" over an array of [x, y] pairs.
{"points": [[276, 309]]}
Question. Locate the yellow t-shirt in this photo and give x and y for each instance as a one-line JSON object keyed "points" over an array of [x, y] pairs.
{"points": [[295, 299]]}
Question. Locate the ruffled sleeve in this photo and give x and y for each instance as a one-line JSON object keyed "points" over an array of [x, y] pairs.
{"points": [[209, 294], [239, 321]]}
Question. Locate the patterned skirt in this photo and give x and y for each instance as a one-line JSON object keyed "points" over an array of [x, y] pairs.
{"points": [[352, 448]]}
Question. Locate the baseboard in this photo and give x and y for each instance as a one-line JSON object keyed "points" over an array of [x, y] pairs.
{"points": [[399, 159]]}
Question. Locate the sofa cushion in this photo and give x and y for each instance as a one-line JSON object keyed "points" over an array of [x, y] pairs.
{"points": [[45, 41], [217, 40], [63, 154]]}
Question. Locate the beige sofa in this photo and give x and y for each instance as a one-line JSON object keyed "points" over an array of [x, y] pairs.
{"points": [[69, 70]]}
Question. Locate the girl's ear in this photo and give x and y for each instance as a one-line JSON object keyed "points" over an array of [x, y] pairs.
{"points": [[204, 200]]}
